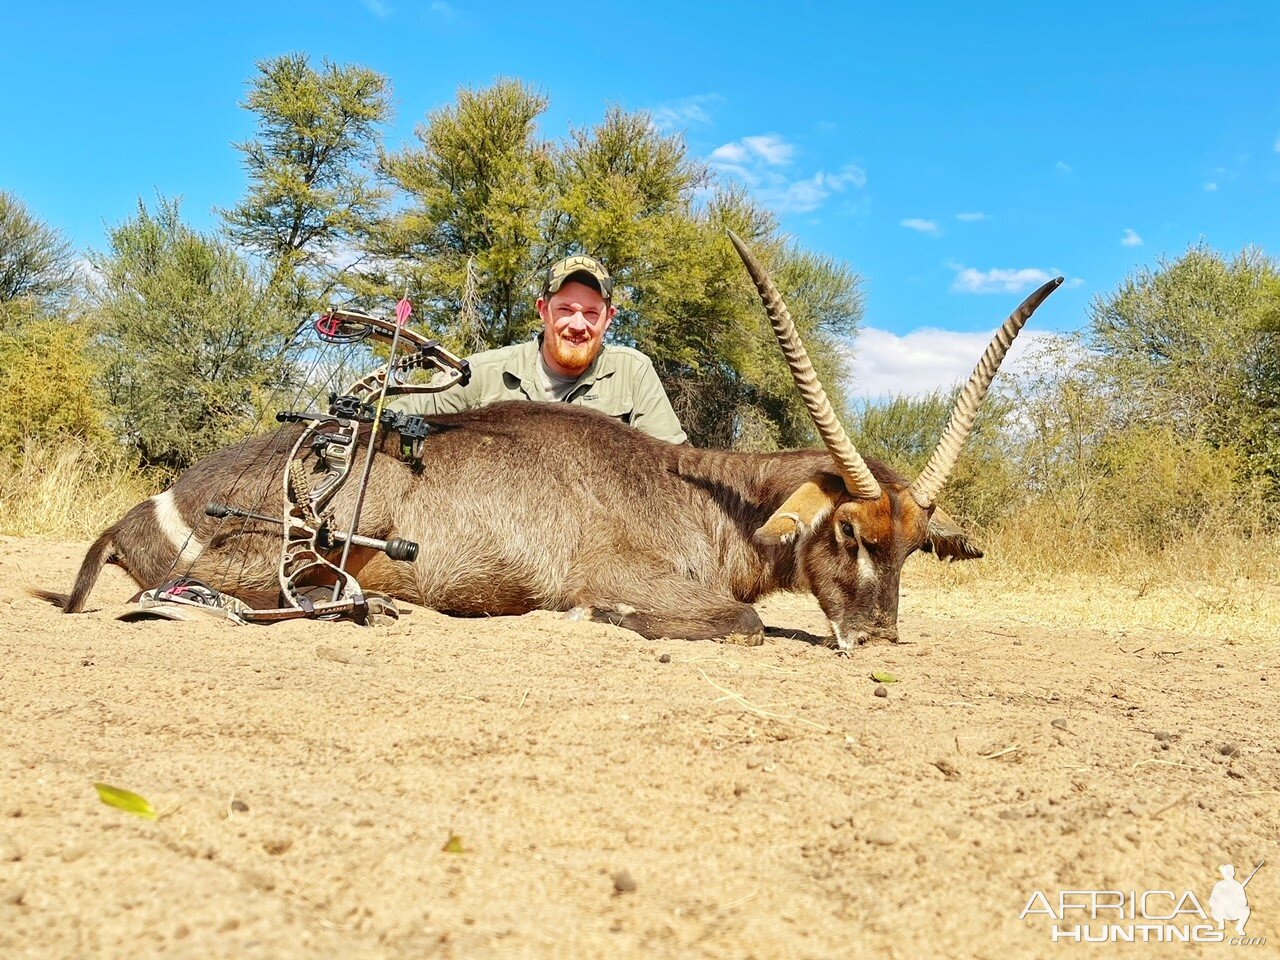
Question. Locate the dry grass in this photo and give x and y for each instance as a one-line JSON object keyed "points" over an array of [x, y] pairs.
{"points": [[1220, 586], [67, 492]]}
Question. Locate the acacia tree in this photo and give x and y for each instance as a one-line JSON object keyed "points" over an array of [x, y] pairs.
{"points": [[37, 264], [477, 185], [192, 336], [47, 377], [311, 198], [1190, 346]]}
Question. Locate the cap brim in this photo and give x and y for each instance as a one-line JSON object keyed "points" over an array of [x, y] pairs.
{"points": [[581, 276]]}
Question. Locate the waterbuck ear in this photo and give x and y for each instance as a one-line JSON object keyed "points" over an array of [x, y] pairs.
{"points": [[947, 541], [802, 511]]}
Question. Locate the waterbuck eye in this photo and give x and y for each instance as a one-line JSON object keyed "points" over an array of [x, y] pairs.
{"points": [[847, 529]]}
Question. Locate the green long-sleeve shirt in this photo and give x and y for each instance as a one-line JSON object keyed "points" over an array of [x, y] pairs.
{"points": [[621, 383]]}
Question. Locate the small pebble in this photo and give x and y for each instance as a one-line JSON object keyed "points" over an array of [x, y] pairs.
{"points": [[881, 690], [881, 838], [623, 882], [73, 853], [665, 658], [1059, 722], [1164, 735], [239, 806], [1228, 749]]}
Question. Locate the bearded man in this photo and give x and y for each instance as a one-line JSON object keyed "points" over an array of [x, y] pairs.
{"points": [[567, 362]]}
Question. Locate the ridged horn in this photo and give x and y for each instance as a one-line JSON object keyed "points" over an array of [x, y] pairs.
{"points": [[857, 478], [926, 487]]}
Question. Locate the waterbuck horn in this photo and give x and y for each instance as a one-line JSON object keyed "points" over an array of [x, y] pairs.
{"points": [[857, 478], [926, 487]]}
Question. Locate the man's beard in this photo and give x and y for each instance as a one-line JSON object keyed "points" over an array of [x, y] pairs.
{"points": [[574, 357]]}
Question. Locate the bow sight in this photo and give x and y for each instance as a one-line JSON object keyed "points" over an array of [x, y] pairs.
{"points": [[311, 586]]}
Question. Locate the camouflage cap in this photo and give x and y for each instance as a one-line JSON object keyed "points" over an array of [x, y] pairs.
{"points": [[582, 268]]}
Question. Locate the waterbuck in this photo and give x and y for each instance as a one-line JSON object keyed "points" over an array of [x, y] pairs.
{"points": [[524, 506]]}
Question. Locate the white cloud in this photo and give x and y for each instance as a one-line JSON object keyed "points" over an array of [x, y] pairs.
{"points": [[378, 8], [771, 148], [729, 153], [998, 280], [1130, 238], [1210, 186], [920, 362], [768, 149], [1062, 167], [921, 226], [971, 217], [1276, 146], [685, 112], [802, 196], [756, 160], [443, 10]]}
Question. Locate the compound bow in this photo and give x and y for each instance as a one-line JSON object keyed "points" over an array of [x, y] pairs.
{"points": [[311, 586]]}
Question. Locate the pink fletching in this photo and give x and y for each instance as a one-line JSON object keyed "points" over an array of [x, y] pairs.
{"points": [[403, 309]]}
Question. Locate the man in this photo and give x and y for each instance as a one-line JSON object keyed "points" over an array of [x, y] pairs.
{"points": [[568, 362]]}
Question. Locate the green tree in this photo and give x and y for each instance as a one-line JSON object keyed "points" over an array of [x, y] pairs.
{"points": [[37, 265], [1190, 345], [311, 197], [47, 379], [478, 186], [192, 338]]}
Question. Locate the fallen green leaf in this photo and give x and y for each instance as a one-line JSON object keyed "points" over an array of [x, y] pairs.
{"points": [[453, 844], [125, 800], [884, 677]]}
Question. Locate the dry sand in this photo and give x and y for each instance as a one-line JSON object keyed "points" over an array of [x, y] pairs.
{"points": [[729, 802]]}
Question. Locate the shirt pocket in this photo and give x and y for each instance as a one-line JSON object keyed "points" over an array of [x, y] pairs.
{"points": [[621, 410]]}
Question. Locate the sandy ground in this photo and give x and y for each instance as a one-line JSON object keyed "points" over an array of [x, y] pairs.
{"points": [[611, 796]]}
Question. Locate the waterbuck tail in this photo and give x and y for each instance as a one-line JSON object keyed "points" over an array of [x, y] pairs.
{"points": [[99, 556]]}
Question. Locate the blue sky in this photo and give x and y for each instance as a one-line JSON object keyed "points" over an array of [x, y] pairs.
{"points": [[951, 153]]}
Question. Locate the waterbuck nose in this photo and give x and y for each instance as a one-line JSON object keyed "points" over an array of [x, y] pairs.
{"points": [[851, 636]]}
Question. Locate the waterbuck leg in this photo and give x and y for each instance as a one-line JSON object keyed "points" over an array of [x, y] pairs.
{"points": [[672, 608]]}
